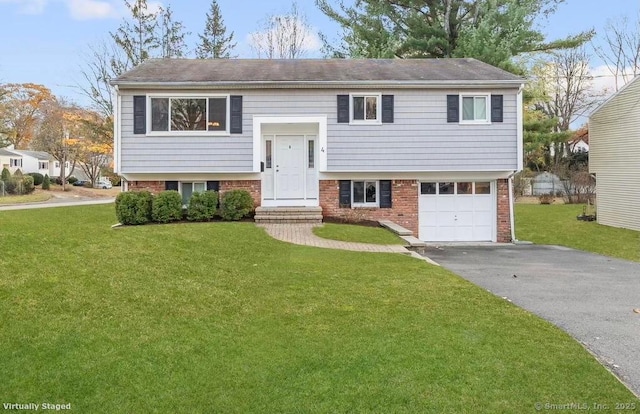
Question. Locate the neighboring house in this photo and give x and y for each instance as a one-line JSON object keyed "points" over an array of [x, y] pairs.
{"points": [[430, 144], [10, 160], [34, 161], [54, 170], [580, 141], [614, 157]]}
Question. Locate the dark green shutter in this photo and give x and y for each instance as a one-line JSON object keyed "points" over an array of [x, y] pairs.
{"points": [[387, 109], [236, 115], [213, 185], [453, 108], [496, 108], [385, 193], [139, 114], [343, 109], [345, 194], [171, 185]]}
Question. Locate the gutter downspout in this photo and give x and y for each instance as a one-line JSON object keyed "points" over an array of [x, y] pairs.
{"points": [[511, 209]]}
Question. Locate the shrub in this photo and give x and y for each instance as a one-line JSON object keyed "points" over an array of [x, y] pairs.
{"points": [[18, 185], [46, 182], [202, 206], [167, 207], [27, 184], [72, 179], [546, 198], [37, 178], [134, 207], [235, 205], [6, 174], [18, 173], [10, 186]]}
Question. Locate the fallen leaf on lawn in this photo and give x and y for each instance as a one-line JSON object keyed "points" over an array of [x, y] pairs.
{"points": [[637, 310]]}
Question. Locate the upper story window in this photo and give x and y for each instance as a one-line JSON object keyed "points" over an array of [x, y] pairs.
{"points": [[475, 109], [189, 114], [365, 109], [43, 165]]}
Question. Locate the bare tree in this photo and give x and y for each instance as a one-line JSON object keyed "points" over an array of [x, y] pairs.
{"points": [[563, 87], [283, 36], [621, 49]]}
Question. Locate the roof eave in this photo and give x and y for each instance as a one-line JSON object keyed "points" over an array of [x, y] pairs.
{"points": [[467, 84]]}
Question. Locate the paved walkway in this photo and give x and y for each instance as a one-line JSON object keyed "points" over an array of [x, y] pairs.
{"points": [[57, 202], [301, 233]]}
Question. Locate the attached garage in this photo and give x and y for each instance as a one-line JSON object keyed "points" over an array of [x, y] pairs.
{"points": [[457, 211]]}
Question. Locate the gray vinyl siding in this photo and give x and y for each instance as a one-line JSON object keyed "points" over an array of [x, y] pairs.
{"points": [[420, 139], [614, 156]]}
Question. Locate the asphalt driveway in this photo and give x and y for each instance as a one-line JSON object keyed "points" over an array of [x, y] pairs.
{"points": [[589, 296]]}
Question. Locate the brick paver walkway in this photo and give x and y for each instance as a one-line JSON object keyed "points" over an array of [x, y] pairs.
{"points": [[301, 233]]}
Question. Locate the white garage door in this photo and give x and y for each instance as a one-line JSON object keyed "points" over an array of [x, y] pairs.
{"points": [[457, 211]]}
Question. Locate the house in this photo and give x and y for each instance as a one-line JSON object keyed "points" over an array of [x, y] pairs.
{"points": [[580, 141], [34, 161], [614, 157], [10, 160], [430, 144], [54, 169]]}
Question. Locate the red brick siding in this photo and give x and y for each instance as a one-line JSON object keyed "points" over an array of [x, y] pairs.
{"points": [[504, 219], [404, 210], [252, 186], [151, 186]]}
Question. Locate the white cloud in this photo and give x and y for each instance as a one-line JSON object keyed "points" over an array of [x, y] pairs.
{"points": [[604, 81], [29, 6], [91, 9]]}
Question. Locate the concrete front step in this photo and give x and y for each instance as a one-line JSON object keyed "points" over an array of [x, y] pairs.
{"points": [[279, 211], [272, 215], [288, 220], [288, 217]]}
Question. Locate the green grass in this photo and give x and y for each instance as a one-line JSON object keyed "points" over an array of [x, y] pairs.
{"points": [[218, 317], [557, 225], [21, 199], [359, 234]]}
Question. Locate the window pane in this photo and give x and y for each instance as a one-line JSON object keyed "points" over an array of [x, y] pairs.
{"points": [[187, 190], [358, 108], [372, 108], [217, 114], [268, 154], [446, 188], [465, 188], [480, 109], [427, 188], [199, 188], [159, 114], [188, 114], [312, 154], [483, 188], [467, 109], [358, 192], [371, 192]]}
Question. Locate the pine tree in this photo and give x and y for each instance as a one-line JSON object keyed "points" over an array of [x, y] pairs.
{"points": [[214, 42], [137, 37], [172, 35]]}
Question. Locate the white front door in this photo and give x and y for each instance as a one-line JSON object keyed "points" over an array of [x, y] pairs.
{"points": [[289, 167]]}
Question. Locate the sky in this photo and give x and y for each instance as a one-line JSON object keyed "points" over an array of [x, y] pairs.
{"points": [[47, 41]]}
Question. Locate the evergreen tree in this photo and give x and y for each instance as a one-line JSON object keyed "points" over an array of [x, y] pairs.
{"points": [[46, 183], [172, 36], [214, 42], [138, 37]]}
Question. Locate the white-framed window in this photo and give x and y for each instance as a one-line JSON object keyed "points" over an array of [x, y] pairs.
{"points": [[364, 193], [15, 162], [188, 114], [188, 188], [56, 164], [475, 109], [365, 108], [43, 165]]}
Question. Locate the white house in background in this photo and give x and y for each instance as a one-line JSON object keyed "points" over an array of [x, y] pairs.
{"points": [[54, 168], [614, 157], [580, 141], [10, 160], [34, 161]]}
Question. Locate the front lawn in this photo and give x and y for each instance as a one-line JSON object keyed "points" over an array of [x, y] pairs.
{"points": [[358, 234], [557, 225], [27, 198], [218, 317]]}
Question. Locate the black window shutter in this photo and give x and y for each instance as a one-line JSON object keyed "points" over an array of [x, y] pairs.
{"points": [[171, 185], [236, 115], [387, 109], [213, 185], [139, 114], [453, 108], [345, 193], [385, 193], [496, 108], [343, 109]]}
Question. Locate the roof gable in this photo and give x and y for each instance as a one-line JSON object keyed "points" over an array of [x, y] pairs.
{"points": [[323, 71], [614, 96]]}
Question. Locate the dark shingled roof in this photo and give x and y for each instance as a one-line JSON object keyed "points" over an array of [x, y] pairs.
{"points": [[211, 71]]}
